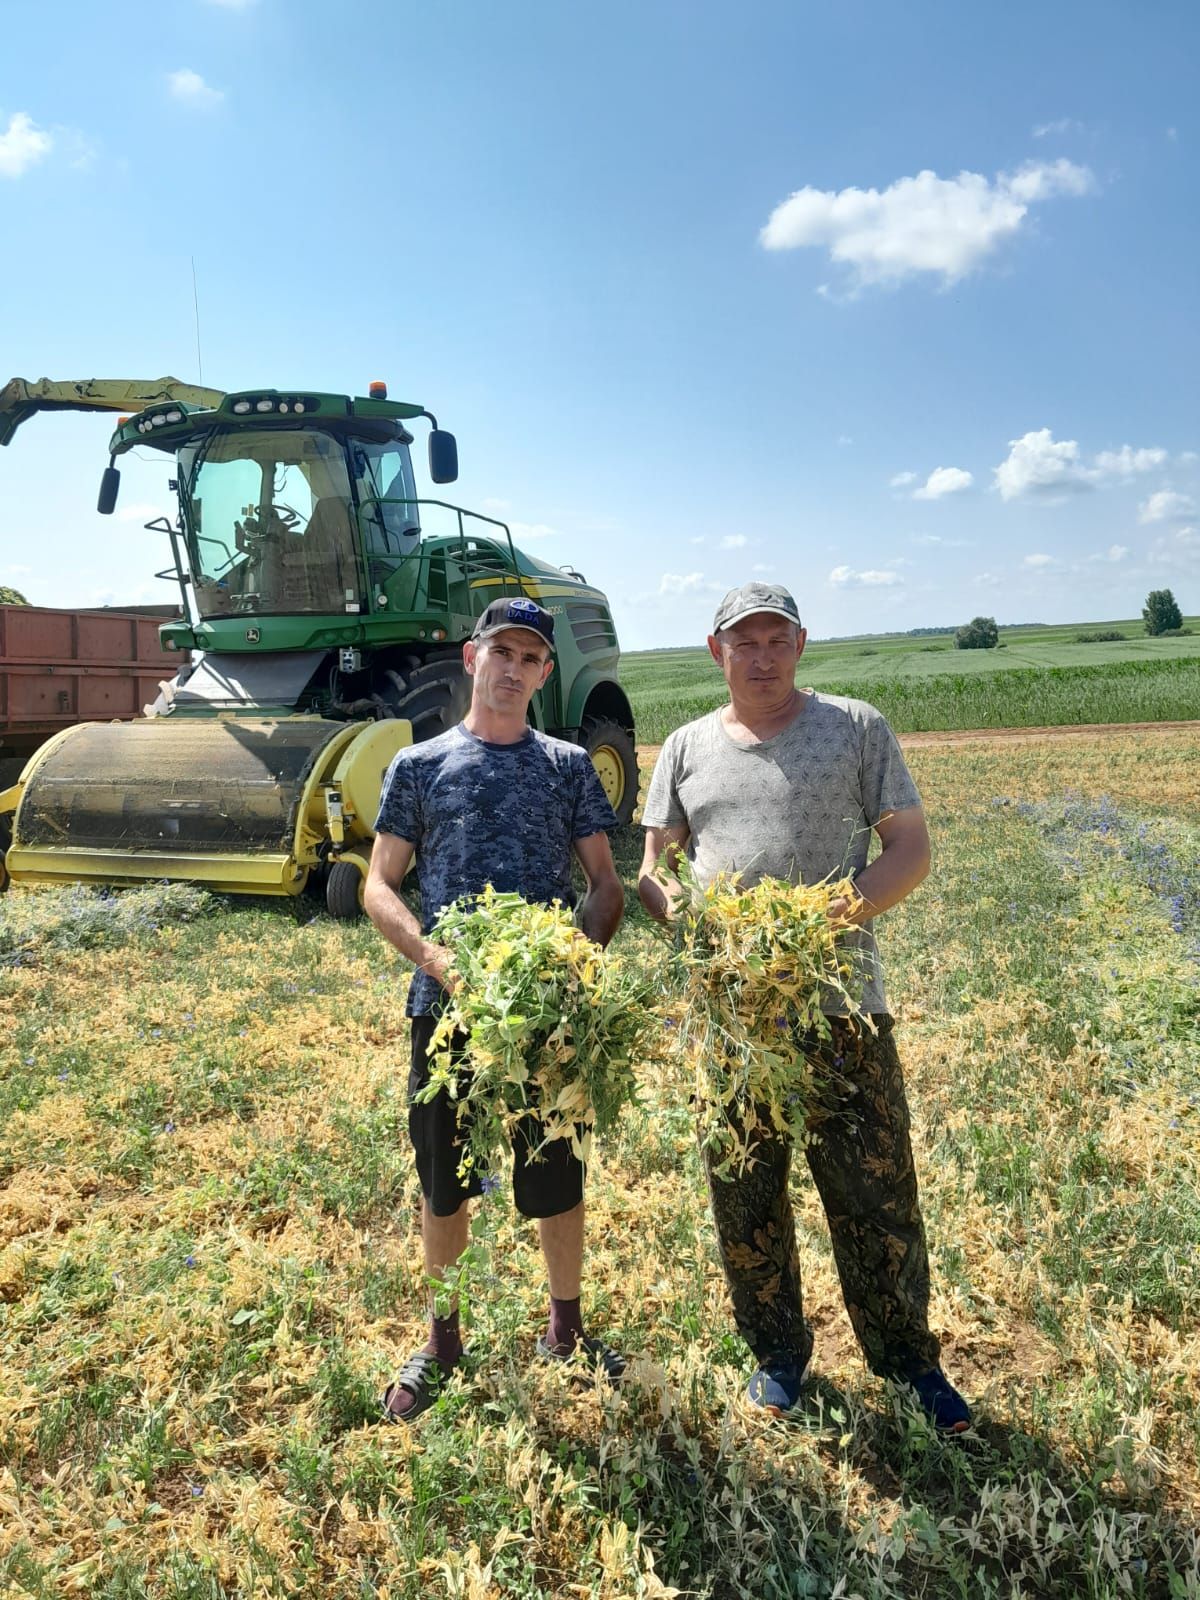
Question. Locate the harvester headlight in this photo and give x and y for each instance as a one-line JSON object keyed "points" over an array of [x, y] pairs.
{"points": [[299, 407], [264, 405], [241, 407], [174, 416], [158, 420], [283, 405]]}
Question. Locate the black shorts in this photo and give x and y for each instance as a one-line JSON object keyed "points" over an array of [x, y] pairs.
{"points": [[546, 1187]]}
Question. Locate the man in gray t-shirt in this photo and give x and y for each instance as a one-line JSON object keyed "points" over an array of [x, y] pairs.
{"points": [[784, 782]]}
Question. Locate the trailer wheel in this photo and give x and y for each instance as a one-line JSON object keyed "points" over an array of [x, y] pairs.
{"points": [[433, 697], [343, 890], [615, 760]]}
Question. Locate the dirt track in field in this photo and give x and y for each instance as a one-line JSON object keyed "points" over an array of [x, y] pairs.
{"points": [[1089, 730]]}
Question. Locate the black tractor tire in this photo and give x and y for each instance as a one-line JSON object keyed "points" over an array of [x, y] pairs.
{"points": [[615, 758], [434, 696], [343, 890]]}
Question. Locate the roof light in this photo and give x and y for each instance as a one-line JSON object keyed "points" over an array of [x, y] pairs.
{"points": [[378, 389], [121, 421], [175, 416], [241, 407], [299, 406], [283, 405], [158, 420], [264, 405]]}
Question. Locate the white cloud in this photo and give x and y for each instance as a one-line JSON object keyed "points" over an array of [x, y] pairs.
{"points": [[847, 578], [1188, 456], [1115, 552], [1039, 464], [947, 544], [734, 541], [986, 580], [494, 507], [687, 583], [1127, 461], [762, 566], [844, 438], [1038, 560], [1185, 536], [22, 145], [946, 226], [1165, 506], [190, 89], [1062, 125], [943, 481], [902, 480]]}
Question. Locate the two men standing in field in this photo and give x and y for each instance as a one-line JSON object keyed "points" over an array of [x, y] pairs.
{"points": [[780, 782], [788, 783]]}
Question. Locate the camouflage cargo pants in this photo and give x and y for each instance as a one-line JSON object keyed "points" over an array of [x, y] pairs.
{"points": [[861, 1161]]}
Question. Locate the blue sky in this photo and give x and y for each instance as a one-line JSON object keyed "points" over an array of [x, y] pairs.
{"points": [[896, 305]]}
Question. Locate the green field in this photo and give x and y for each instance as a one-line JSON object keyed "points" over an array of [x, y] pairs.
{"points": [[1039, 676]]}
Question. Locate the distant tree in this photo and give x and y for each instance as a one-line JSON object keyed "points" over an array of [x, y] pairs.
{"points": [[1161, 614], [981, 633], [11, 597]]}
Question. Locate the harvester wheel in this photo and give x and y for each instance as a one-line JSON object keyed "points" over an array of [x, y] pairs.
{"points": [[343, 890], [434, 696], [615, 760]]}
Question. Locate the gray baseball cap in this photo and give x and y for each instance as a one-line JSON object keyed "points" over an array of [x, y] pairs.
{"points": [[752, 597]]}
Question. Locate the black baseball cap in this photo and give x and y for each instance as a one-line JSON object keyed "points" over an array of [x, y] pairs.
{"points": [[506, 613]]}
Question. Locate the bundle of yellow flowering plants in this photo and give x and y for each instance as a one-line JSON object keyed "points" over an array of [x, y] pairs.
{"points": [[757, 965], [553, 1025]]}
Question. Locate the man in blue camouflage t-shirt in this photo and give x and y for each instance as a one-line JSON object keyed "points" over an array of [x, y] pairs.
{"points": [[491, 801]]}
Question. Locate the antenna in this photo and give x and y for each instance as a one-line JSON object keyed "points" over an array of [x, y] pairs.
{"points": [[196, 313]]}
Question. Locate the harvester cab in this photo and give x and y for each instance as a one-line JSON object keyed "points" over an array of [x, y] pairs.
{"points": [[323, 607]]}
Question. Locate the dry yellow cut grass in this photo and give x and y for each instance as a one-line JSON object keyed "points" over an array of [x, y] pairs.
{"points": [[209, 1263]]}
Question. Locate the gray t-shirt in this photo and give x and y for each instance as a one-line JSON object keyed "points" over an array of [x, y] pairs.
{"points": [[799, 806]]}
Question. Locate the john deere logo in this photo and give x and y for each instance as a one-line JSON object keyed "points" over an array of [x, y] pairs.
{"points": [[253, 635]]}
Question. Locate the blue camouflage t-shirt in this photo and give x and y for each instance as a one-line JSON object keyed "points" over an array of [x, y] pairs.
{"points": [[480, 813]]}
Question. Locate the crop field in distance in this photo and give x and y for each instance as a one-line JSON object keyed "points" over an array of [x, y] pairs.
{"points": [[1037, 677], [209, 1262]]}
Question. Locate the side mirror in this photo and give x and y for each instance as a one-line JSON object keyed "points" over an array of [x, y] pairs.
{"points": [[110, 483], [443, 456]]}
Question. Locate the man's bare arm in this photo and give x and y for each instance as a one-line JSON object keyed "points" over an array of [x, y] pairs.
{"points": [[604, 904], [660, 891], [390, 858], [900, 866]]}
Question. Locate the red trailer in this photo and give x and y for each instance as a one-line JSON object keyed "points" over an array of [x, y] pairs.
{"points": [[61, 667]]}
